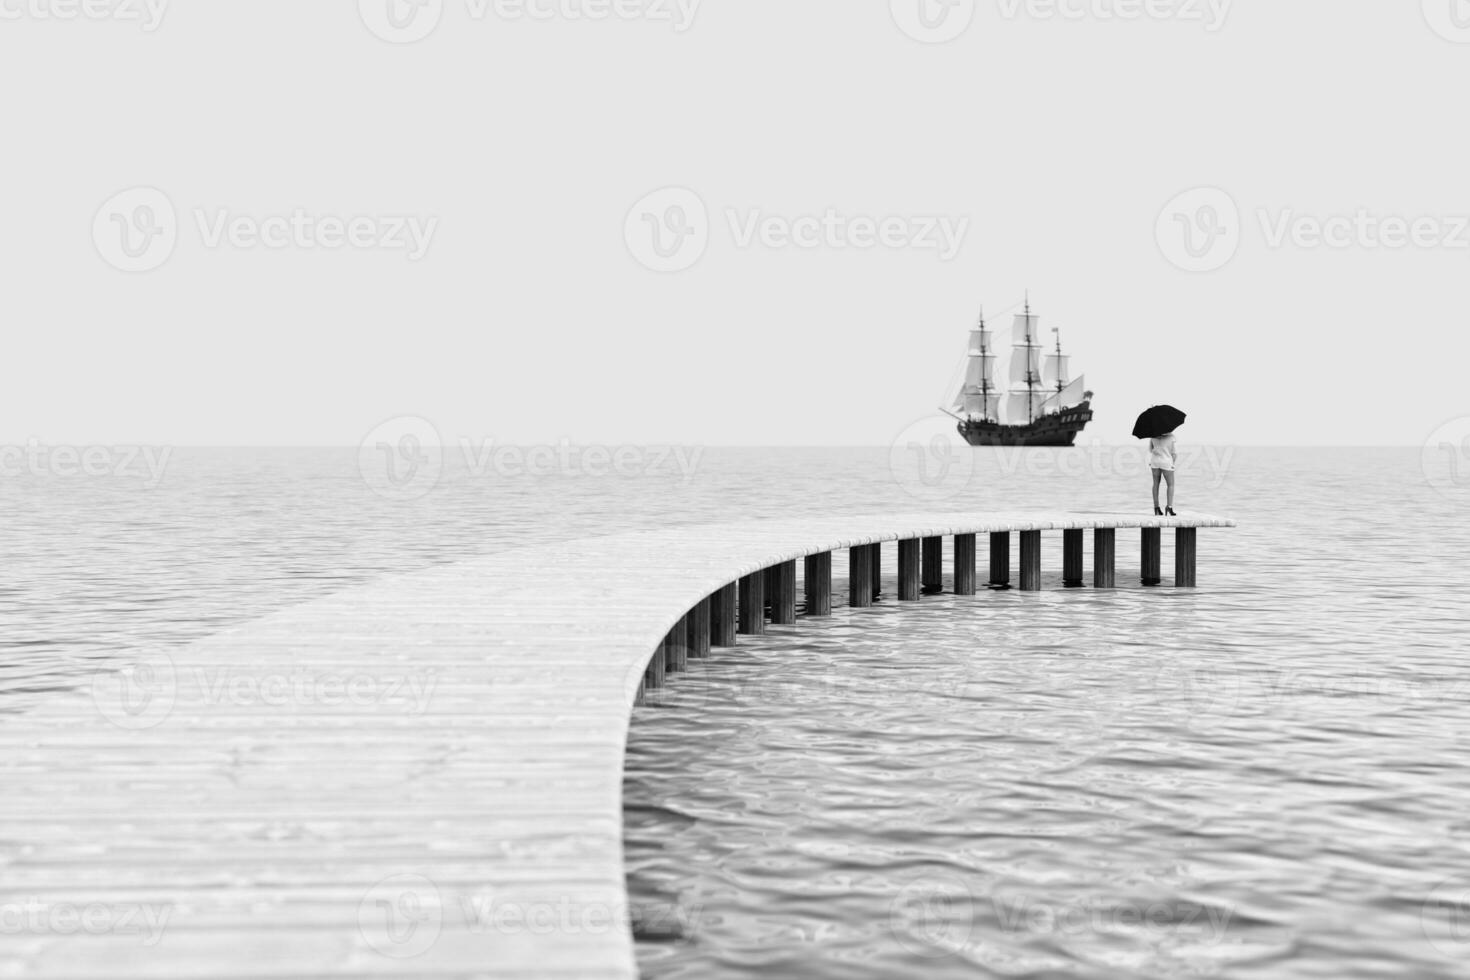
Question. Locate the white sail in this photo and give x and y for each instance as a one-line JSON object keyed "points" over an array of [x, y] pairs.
{"points": [[1075, 393], [981, 341], [1025, 328], [979, 374], [1024, 406], [978, 405], [1025, 365], [1056, 369], [980, 371]]}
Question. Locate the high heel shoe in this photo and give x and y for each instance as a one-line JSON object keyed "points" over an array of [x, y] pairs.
{"points": [[1170, 512], [1157, 512]]}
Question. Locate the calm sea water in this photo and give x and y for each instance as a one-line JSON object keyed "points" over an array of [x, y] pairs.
{"points": [[1262, 777]]}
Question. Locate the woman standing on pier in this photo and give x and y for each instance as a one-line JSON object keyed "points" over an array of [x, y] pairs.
{"points": [[1162, 455], [1157, 425]]}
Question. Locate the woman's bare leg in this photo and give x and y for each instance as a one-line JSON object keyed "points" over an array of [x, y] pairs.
{"points": [[1169, 479], [1157, 475]]}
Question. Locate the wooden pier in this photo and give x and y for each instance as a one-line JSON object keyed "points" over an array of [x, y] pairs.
{"points": [[422, 777]]}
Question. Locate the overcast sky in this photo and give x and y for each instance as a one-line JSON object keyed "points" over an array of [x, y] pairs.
{"points": [[753, 222]]}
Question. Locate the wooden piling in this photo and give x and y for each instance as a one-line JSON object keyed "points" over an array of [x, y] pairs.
{"points": [[753, 603], [677, 646], [653, 675], [1104, 561], [859, 576], [933, 581], [875, 565], [783, 599], [723, 619], [908, 570], [964, 564], [817, 583], [1184, 550], [1000, 560], [1030, 561], [1072, 558], [1151, 572], [699, 629]]}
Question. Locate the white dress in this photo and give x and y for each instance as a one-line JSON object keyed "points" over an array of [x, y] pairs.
{"points": [[1161, 453]]}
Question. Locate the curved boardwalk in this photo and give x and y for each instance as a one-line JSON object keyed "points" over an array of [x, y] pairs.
{"points": [[421, 777]]}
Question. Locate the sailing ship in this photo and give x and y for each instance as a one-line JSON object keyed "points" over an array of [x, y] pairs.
{"points": [[1044, 405]]}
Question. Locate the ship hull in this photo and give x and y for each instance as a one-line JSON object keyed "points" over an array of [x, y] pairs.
{"points": [[1059, 429]]}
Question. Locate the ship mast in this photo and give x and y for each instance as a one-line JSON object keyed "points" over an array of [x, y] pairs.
{"points": [[984, 373], [1031, 378], [1061, 382]]}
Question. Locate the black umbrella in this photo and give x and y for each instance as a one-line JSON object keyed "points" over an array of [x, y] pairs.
{"points": [[1158, 421]]}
